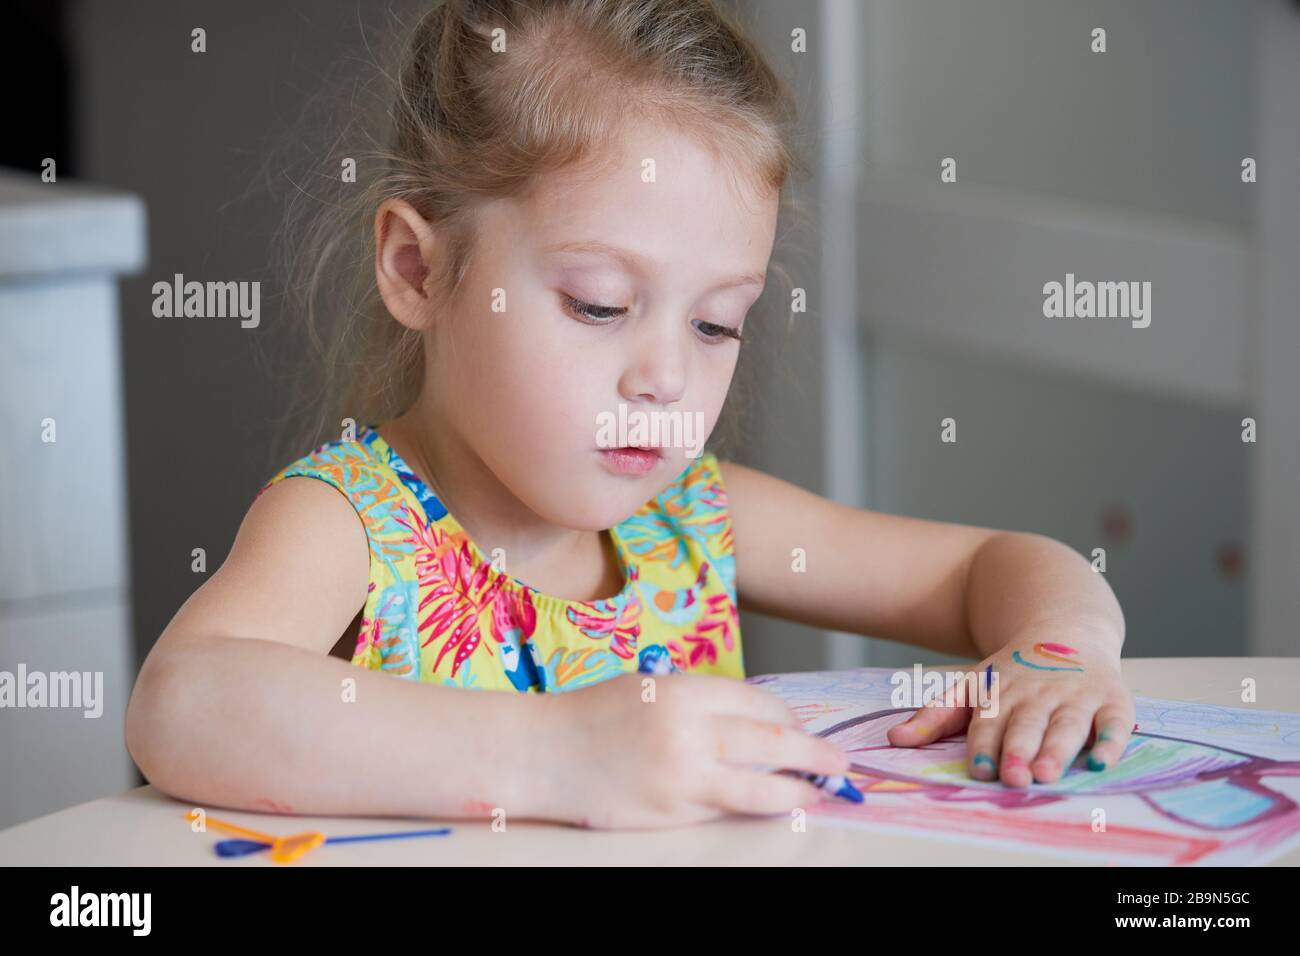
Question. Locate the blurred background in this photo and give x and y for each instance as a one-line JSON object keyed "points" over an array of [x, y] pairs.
{"points": [[925, 303]]}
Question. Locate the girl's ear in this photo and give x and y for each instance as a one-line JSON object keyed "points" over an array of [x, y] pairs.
{"points": [[406, 251]]}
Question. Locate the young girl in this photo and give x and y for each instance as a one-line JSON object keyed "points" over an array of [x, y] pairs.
{"points": [[577, 215]]}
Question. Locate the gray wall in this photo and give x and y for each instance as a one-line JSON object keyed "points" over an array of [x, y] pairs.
{"points": [[1010, 87], [196, 135]]}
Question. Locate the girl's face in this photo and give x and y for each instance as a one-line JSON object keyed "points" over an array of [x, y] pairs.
{"points": [[623, 287]]}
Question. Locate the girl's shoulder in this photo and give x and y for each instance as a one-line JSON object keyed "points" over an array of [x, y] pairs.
{"points": [[360, 469], [346, 461]]}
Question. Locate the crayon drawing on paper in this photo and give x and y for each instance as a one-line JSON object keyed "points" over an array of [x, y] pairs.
{"points": [[1197, 784]]}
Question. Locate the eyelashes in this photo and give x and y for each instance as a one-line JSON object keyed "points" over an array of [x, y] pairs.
{"points": [[593, 313], [604, 314], [718, 331]]}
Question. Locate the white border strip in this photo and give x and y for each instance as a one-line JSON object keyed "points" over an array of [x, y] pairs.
{"points": [[1273, 566], [843, 395]]}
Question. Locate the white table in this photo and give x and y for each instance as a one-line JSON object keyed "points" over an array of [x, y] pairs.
{"points": [[142, 827]]}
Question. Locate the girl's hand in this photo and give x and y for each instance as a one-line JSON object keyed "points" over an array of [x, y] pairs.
{"points": [[646, 751], [1055, 695]]}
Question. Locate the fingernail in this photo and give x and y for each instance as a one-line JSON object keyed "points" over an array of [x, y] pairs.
{"points": [[984, 760], [1012, 763], [1095, 764]]}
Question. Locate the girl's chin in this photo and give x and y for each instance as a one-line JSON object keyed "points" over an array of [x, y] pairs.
{"points": [[608, 503]]}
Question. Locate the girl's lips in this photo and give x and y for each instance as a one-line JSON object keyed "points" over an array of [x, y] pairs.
{"points": [[630, 461]]}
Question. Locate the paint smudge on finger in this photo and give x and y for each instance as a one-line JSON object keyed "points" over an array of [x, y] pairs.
{"points": [[1041, 650], [1057, 649]]}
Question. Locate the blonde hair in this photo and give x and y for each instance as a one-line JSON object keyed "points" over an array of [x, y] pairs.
{"points": [[467, 123]]}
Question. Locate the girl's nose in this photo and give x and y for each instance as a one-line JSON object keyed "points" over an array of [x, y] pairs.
{"points": [[657, 371]]}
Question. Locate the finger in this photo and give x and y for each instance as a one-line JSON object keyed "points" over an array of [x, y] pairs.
{"points": [[946, 714], [984, 743], [1020, 743], [1066, 733], [756, 792], [1113, 726], [728, 695], [929, 724], [743, 741]]}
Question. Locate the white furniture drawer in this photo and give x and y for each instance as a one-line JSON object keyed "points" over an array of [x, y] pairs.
{"points": [[62, 503], [56, 757]]}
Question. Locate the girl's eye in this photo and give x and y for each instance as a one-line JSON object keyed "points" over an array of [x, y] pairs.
{"points": [[595, 314], [602, 314], [713, 331]]}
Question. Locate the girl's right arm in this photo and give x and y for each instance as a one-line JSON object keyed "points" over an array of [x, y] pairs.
{"points": [[239, 704]]}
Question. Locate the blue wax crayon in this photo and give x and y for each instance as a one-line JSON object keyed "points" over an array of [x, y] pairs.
{"points": [[836, 786]]}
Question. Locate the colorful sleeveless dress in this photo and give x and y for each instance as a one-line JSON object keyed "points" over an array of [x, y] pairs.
{"points": [[439, 611]]}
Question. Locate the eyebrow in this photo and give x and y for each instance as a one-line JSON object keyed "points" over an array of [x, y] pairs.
{"points": [[635, 263]]}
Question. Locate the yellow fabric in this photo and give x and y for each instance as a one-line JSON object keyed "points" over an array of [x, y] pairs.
{"points": [[438, 611]]}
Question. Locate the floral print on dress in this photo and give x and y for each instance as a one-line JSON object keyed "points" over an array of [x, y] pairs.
{"points": [[438, 611]]}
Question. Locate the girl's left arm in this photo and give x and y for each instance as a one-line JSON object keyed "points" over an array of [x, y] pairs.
{"points": [[1045, 626]]}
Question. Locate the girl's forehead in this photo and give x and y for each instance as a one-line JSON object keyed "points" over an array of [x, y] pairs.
{"points": [[667, 202], [658, 164], [624, 221]]}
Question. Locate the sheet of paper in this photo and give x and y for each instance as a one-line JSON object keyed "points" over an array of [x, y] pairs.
{"points": [[1197, 784]]}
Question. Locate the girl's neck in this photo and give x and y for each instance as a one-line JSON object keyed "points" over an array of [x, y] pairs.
{"points": [[575, 565]]}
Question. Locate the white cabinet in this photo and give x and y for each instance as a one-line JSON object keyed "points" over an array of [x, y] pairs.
{"points": [[64, 568]]}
